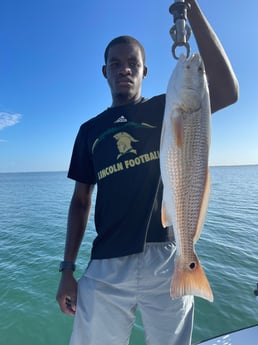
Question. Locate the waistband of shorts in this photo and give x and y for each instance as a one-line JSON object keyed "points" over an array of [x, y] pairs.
{"points": [[159, 244]]}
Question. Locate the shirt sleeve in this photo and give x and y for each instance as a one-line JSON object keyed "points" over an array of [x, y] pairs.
{"points": [[81, 165]]}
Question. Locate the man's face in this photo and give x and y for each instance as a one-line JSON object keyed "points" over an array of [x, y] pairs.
{"points": [[124, 71]]}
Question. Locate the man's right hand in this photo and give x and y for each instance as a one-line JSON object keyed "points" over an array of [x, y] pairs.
{"points": [[67, 293]]}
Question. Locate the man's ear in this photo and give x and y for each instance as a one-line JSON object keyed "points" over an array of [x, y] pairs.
{"points": [[104, 71], [145, 71]]}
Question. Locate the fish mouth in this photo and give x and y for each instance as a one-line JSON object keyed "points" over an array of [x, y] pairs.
{"points": [[193, 90]]}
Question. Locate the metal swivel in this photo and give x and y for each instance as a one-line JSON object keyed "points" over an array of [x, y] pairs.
{"points": [[180, 32]]}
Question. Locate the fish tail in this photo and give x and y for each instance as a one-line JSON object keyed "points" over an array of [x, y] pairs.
{"points": [[190, 279]]}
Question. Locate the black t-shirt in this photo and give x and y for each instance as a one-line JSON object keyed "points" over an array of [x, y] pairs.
{"points": [[119, 150]]}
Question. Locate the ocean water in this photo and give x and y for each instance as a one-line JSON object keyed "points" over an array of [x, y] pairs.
{"points": [[33, 211]]}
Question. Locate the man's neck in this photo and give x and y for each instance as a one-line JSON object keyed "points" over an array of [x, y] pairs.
{"points": [[120, 101]]}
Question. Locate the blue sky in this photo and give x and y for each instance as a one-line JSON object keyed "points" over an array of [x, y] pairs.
{"points": [[51, 82]]}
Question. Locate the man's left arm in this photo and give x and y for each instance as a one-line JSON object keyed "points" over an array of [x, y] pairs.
{"points": [[223, 84]]}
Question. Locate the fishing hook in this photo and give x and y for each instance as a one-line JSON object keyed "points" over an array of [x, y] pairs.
{"points": [[180, 32]]}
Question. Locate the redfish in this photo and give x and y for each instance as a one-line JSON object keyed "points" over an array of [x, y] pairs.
{"points": [[184, 151]]}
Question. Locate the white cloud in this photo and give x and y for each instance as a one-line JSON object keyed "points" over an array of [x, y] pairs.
{"points": [[7, 119]]}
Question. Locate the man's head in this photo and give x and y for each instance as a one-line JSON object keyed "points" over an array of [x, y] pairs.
{"points": [[124, 40], [124, 69]]}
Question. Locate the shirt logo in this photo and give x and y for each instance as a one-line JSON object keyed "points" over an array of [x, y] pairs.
{"points": [[121, 119], [124, 143], [114, 131]]}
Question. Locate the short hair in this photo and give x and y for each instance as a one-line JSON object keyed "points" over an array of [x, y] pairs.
{"points": [[124, 40]]}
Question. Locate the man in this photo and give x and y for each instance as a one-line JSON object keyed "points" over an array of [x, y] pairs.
{"points": [[132, 257]]}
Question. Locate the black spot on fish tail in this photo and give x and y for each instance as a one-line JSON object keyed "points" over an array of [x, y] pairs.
{"points": [[192, 266]]}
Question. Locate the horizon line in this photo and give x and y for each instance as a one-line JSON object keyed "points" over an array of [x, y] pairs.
{"points": [[65, 171]]}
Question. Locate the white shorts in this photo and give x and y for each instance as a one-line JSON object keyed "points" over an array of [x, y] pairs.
{"points": [[111, 290]]}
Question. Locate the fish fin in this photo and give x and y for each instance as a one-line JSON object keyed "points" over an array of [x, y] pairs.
{"points": [[190, 281], [179, 130], [165, 219], [203, 208]]}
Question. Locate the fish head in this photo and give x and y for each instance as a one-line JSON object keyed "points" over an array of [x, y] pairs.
{"points": [[189, 82]]}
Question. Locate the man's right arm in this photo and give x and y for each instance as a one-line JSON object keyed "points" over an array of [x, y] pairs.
{"points": [[77, 219]]}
